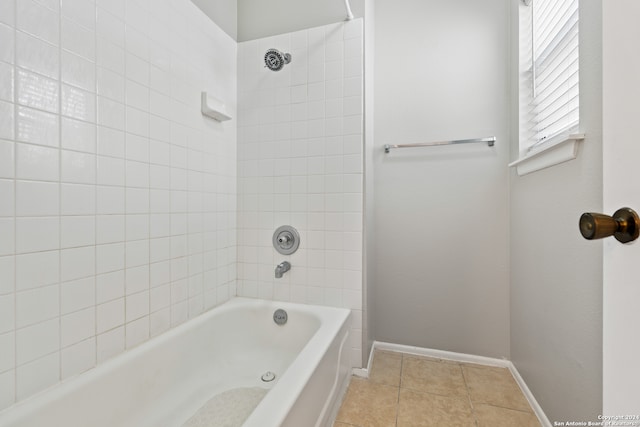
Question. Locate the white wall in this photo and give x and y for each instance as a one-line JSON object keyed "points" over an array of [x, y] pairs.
{"points": [[300, 163], [223, 12], [556, 275], [260, 18], [441, 72], [368, 300], [118, 207]]}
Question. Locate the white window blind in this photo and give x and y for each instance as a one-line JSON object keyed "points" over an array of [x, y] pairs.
{"points": [[554, 101]]}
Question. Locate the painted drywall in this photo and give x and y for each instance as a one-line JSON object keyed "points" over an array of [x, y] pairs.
{"points": [[300, 163], [441, 213], [556, 275], [223, 12], [118, 209], [368, 301], [260, 18]]}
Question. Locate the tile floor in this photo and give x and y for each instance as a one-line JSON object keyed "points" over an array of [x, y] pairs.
{"points": [[405, 390]]}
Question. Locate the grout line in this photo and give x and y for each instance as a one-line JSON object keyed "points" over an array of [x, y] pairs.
{"points": [[466, 385], [95, 213], [15, 203], [399, 388], [59, 149]]}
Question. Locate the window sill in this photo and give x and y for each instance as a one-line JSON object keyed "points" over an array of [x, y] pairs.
{"points": [[550, 155]]}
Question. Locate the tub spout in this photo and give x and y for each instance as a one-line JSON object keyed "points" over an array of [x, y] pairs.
{"points": [[282, 268]]}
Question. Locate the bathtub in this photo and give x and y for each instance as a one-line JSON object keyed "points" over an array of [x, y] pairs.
{"points": [[211, 368]]}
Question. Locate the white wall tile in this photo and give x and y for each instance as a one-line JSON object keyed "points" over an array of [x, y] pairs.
{"points": [[37, 127], [77, 167], [37, 269], [78, 326], [110, 315], [160, 321], [78, 135], [7, 315], [7, 120], [110, 286], [77, 263], [82, 12], [7, 275], [37, 375], [110, 258], [7, 389], [37, 234], [7, 159], [7, 236], [110, 114], [77, 294], [78, 71], [110, 200], [137, 306], [78, 39], [37, 55], [7, 37], [37, 305], [137, 332], [110, 228], [7, 356], [109, 26], [109, 55], [34, 90], [86, 163], [110, 343], [37, 163], [7, 12], [78, 358], [78, 104], [77, 231], [77, 199], [39, 20], [36, 341]]}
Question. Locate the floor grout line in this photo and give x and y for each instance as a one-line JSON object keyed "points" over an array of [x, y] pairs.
{"points": [[473, 408]]}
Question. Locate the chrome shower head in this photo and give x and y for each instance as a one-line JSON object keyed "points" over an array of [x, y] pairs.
{"points": [[276, 60]]}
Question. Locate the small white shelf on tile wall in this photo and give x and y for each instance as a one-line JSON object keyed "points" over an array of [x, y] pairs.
{"points": [[214, 108]]}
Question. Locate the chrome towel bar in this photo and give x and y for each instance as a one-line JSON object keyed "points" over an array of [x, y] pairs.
{"points": [[491, 140]]}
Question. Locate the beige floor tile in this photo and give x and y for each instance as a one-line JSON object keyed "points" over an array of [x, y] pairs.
{"points": [[492, 416], [386, 368], [429, 410], [369, 404], [433, 376], [494, 386], [337, 424]]}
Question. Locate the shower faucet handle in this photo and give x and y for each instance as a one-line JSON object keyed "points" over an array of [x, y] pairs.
{"points": [[624, 225]]}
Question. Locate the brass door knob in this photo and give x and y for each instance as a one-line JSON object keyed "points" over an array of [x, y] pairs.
{"points": [[624, 225]]}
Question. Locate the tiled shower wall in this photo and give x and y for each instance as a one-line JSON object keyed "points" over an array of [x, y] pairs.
{"points": [[300, 163], [117, 198]]}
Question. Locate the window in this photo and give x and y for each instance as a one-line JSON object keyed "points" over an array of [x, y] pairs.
{"points": [[549, 73]]}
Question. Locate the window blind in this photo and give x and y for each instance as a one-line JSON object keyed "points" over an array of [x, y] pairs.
{"points": [[555, 70]]}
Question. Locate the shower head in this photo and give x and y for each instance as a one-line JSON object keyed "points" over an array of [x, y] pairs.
{"points": [[276, 60]]}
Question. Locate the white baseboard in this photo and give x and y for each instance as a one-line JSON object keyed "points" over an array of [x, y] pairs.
{"points": [[532, 400], [465, 358], [364, 372]]}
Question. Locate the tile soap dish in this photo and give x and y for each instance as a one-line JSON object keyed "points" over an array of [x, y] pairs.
{"points": [[214, 108]]}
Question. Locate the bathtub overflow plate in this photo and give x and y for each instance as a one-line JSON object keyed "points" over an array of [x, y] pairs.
{"points": [[268, 376], [280, 316]]}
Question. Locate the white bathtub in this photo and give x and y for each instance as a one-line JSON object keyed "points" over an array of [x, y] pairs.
{"points": [[165, 381]]}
